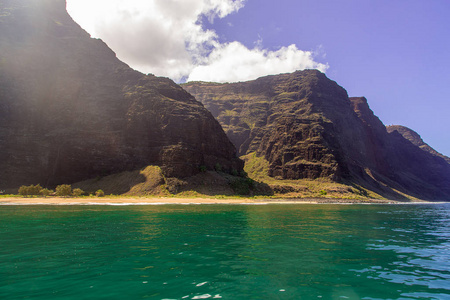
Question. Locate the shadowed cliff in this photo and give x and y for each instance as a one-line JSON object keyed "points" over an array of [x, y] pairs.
{"points": [[415, 138], [70, 110]]}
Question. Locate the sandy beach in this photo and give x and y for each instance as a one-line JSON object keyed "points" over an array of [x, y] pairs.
{"points": [[174, 200]]}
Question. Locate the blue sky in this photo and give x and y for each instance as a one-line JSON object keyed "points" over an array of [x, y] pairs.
{"points": [[395, 53]]}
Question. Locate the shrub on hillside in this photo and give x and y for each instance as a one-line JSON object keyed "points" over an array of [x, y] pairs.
{"points": [[46, 192], [30, 190], [77, 192], [99, 193], [23, 191], [242, 186], [64, 190]]}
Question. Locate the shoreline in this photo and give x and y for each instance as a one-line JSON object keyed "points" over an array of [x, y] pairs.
{"points": [[187, 201]]}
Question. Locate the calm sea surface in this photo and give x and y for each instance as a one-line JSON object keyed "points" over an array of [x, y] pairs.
{"points": [[225, 252]]}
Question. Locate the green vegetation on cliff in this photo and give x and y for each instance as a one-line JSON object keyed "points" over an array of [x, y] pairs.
{"points": [[258, 169], [305, 127]]}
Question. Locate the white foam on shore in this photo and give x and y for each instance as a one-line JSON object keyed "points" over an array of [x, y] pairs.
{"points": [[10, 203]]}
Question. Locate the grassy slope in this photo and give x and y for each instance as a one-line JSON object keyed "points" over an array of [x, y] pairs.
{"points": [[147, 181], [150, 182], [257, 168]]}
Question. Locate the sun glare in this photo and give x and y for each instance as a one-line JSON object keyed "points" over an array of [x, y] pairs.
{"points": [[84, 13]]}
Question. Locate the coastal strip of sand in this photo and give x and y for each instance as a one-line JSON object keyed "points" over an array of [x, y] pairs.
{"points": [[176, 200]]}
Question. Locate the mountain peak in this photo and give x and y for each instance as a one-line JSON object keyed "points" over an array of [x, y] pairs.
{"points": [[70, 110], [306, 127]]}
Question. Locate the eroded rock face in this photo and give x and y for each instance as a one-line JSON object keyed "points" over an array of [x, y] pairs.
{"points": [[306, 126], [402, 162], [70, 110], [415, 138], [302, 122]]}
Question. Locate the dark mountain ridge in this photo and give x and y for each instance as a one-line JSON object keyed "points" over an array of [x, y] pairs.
{"points": [[306, 126], [70, 110], [415, 138]]}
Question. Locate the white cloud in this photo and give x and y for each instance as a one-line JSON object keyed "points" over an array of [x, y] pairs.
{"points": [[235, 62], [167, 38]]}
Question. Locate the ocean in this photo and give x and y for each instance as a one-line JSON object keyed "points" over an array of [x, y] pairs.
{"points": [[225, 252]]}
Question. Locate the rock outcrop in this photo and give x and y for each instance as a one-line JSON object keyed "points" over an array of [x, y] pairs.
{"points": [[306, 126], [70, 110], [280, 118], [406, 166], [415, 138]]}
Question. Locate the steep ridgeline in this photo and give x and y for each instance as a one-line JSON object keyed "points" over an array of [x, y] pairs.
{"points": [[306, 126], [407, 167], [70, 110], [415, 138]]}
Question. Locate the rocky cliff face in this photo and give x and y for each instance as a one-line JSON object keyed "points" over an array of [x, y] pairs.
{"points": [[281, 118], [70, 110], [415, 138], [306, 126], [406, 166]]}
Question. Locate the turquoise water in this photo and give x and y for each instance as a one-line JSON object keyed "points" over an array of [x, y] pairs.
{"points": [[225, 252]]}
